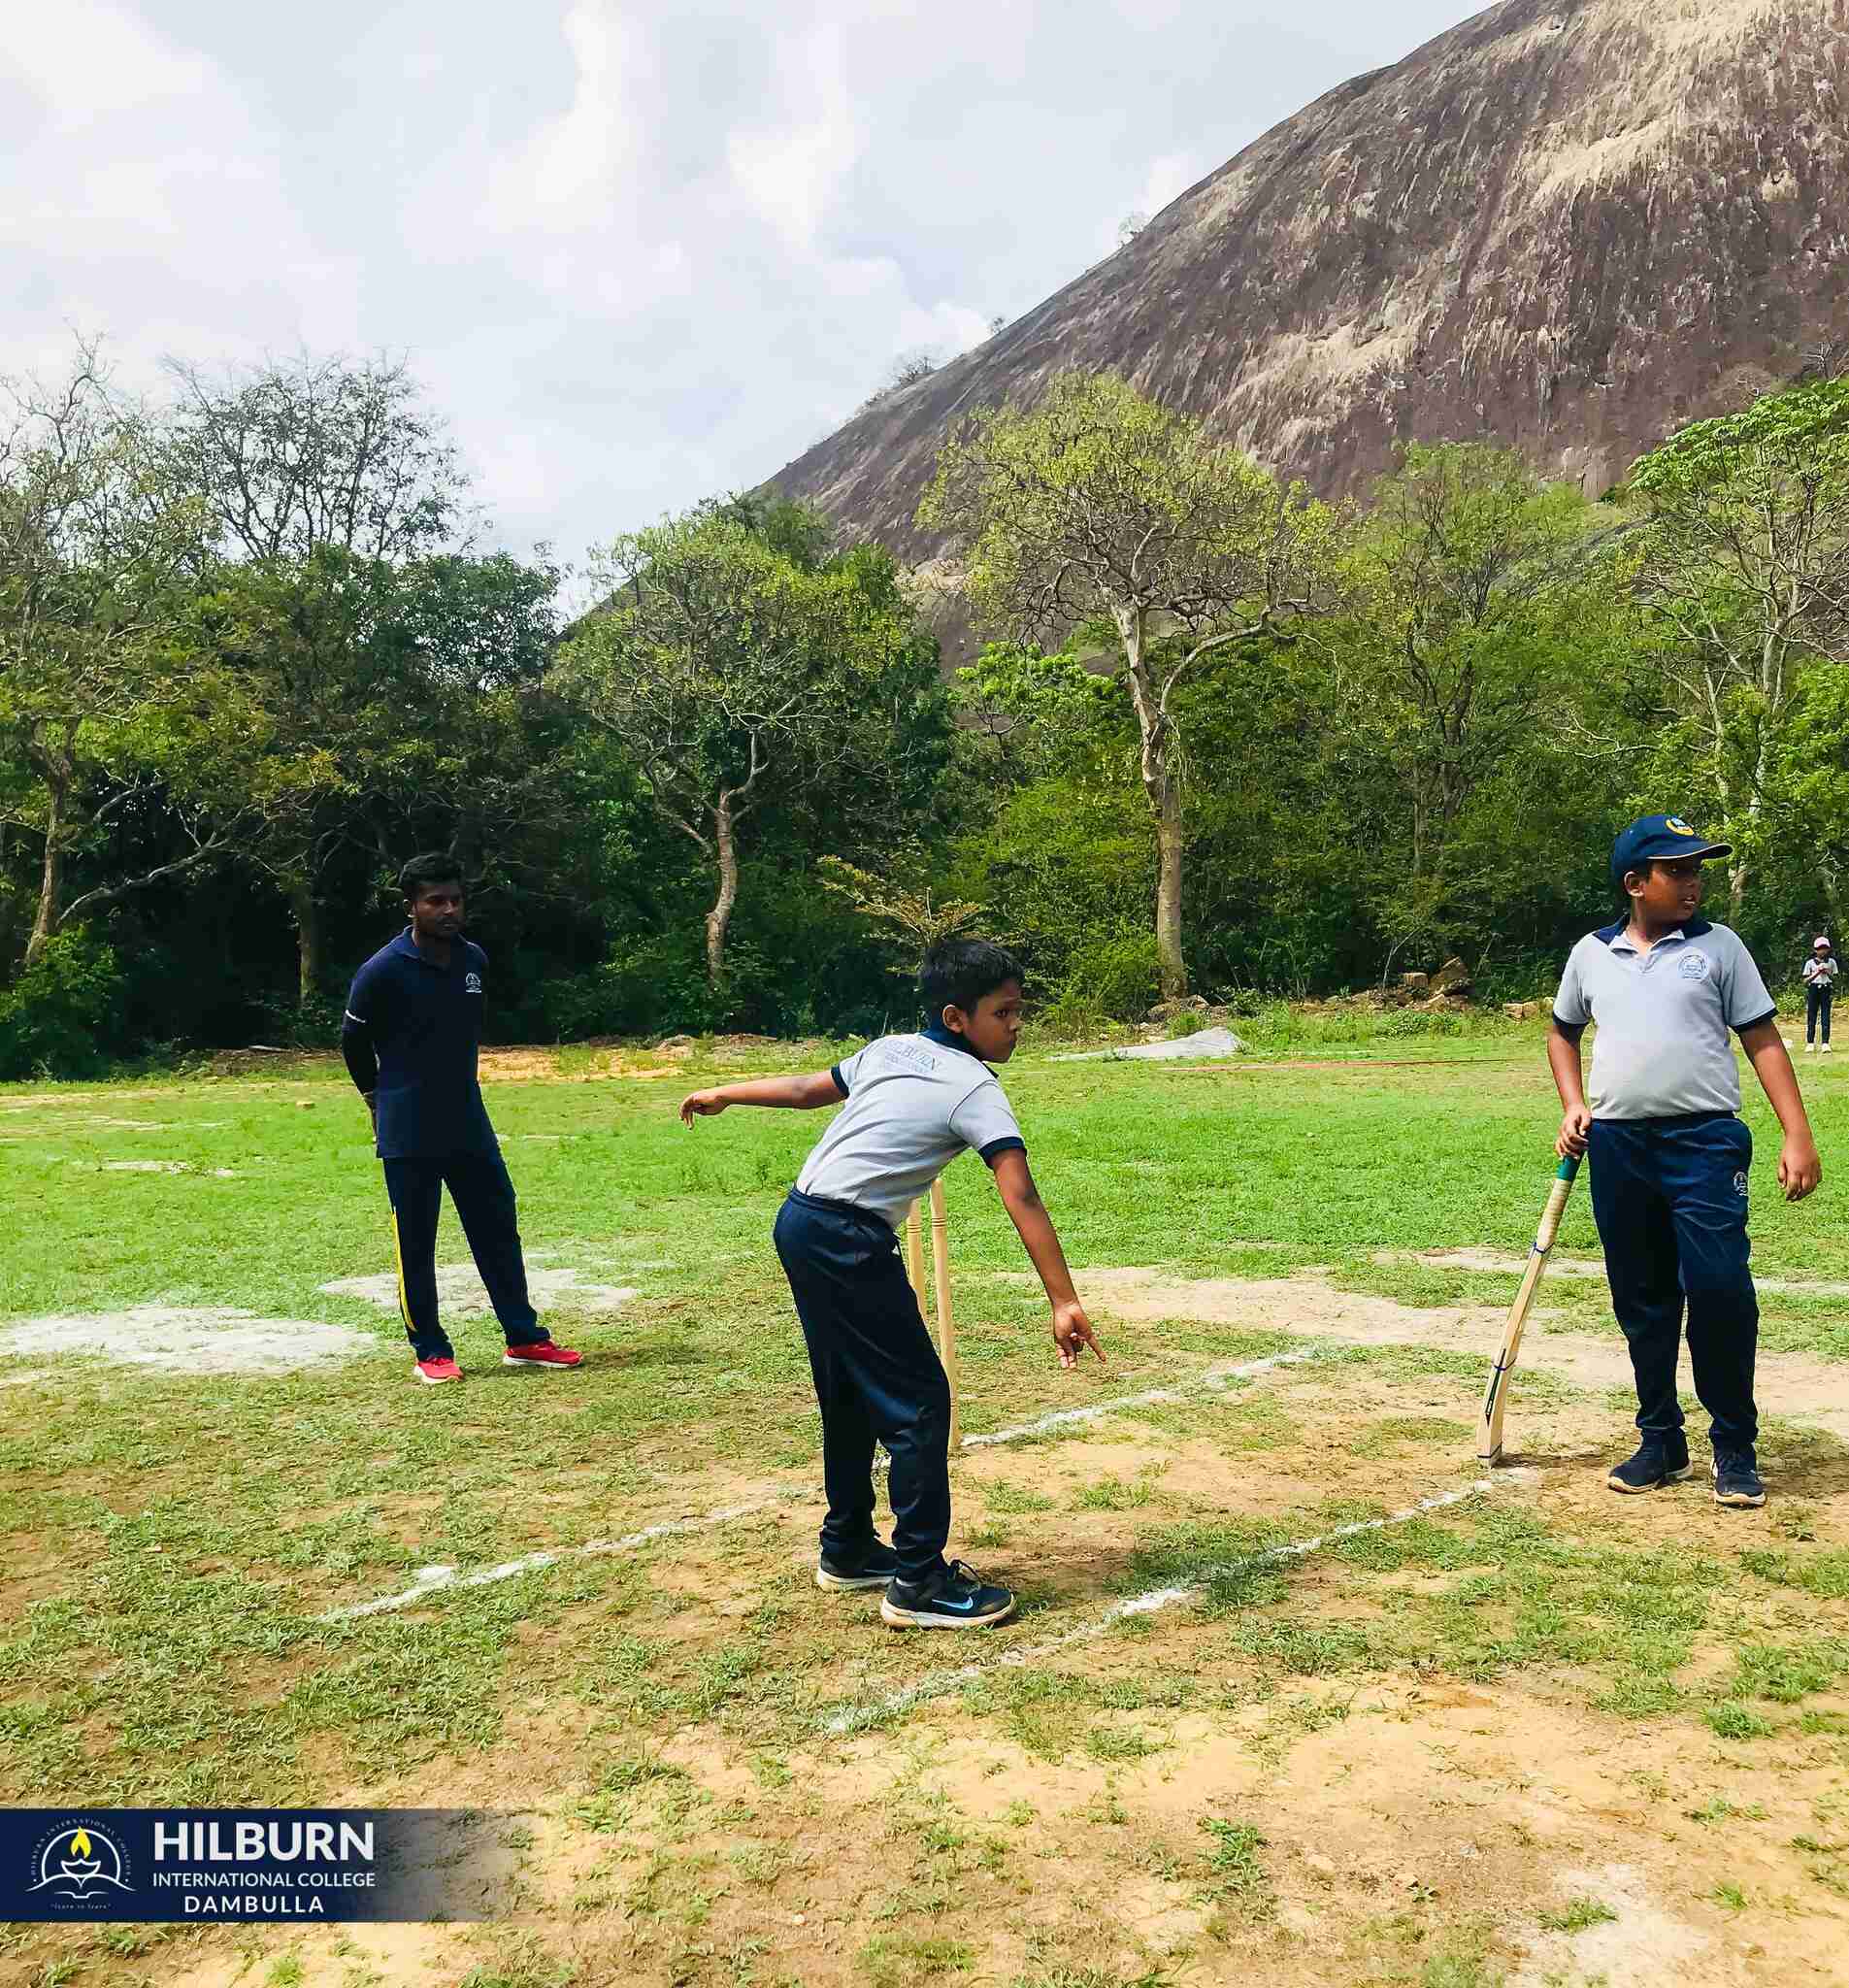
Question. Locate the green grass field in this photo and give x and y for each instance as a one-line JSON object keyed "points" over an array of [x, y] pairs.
{"points": [[1522, 1732]]}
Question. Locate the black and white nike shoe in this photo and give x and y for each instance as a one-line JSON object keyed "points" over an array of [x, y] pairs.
{"points": [[958, 1598], [873, 1567]]}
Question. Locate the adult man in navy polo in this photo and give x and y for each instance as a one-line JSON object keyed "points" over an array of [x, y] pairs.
{"points": [[411, 1032]]}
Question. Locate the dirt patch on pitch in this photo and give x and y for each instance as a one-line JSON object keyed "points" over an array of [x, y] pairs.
{"points": [[210, 1340], [1588, 1268], [1268, 1824], [461, 1293], [1795, 1384]]}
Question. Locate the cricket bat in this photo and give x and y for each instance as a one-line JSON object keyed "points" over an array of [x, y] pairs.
{"points": [[941, 1265], [1489, 1427]]}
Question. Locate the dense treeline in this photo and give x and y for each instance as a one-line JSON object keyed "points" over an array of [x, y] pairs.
{"points": [[256, 649]]}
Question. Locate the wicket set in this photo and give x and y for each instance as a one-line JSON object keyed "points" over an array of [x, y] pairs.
{"points": [[940, 1266]]}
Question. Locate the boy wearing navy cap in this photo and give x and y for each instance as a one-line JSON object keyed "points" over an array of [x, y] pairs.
{"points": [[914, 1102], [1668, 1151], [410, 1036]]}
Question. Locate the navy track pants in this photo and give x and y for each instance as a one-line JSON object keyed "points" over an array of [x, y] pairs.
{"points": [[483, 1196], [1670, 1198], [878, 1376]]}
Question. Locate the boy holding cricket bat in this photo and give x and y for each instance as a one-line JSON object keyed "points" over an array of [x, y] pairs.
{"points": [[1668, 1151], [914, 1102]]}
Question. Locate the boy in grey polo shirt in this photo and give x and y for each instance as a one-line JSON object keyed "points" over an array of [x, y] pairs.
{"points": [[914, 1102], [1670, 1154]]}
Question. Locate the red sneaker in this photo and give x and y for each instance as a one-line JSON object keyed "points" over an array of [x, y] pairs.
{"points": [[434, 1371], [545, 1355]]}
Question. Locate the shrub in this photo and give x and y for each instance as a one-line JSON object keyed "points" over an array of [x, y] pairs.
{"points": [[1116, 975], [63, 1015]]}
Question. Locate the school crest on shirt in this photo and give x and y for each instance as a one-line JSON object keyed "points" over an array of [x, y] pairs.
{"points": [[1740, 1185], [471, 983], [1692, 966]]}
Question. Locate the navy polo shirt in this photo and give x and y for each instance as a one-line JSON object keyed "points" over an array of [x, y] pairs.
{"points": [[424, 1025]]}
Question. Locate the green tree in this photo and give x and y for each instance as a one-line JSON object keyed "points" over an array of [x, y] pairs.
{"points": [[386, 703], [1472, 595], [738, 681], [319, 477], [100, 697], [1101, 509], [1741, 560]]}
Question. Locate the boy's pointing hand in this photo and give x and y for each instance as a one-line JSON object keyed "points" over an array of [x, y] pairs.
{"points": [[702, 1104], [1072, 1331]]}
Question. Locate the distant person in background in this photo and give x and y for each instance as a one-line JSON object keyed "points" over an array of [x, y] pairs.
{"points": [[413, 1028], [1819, 984]]}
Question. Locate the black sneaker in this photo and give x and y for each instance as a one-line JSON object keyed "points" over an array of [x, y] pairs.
{"points": [[958, 1598], [872, 1568], [1654, 1463], [1736, 1480]]}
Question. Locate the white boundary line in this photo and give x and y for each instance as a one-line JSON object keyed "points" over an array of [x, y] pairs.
{"points": [[855, 1718], [432, 1581]]}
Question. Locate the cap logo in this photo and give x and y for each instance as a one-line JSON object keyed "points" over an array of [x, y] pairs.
{"points": [[1676, 825]]}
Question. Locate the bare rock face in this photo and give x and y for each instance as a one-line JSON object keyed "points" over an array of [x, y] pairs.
{"points": [[1568, 224]]}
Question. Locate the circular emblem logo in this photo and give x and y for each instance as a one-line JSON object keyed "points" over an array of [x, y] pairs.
{"points": [[80, 1866], [1692, 966], [1676, 825]]}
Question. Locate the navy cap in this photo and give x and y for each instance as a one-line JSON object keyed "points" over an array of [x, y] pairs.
{"points": [[1652, 838]]}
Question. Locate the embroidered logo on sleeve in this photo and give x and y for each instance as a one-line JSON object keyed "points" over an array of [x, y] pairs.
{"points": [[1740, 1185], [1692, 966], [471, 983]]}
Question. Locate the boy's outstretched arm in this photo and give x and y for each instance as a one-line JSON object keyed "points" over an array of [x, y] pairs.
{"points": [[1563, 1059], [1071, 1329], [791, 1093], [1799, 1167]]}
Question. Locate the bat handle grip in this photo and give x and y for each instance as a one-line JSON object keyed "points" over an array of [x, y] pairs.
{"points": [[1556, 1204]]}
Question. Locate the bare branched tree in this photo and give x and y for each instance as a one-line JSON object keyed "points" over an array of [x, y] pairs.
{"points": [[297, 455]]}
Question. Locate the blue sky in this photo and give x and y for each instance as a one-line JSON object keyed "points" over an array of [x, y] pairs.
{"points": [[638, 254]]}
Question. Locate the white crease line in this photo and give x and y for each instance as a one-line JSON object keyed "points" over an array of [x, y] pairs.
{"points": [[857, 1717], [1215, 1379], [432, 1581]]}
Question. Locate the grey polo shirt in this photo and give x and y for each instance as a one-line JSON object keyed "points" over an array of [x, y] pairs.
{"points": [[913, 1104], [1663, 1049]]}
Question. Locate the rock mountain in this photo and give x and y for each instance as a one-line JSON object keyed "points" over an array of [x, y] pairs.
{"points": [[1570, 224]]}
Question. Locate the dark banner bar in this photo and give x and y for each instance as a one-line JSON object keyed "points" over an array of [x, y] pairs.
{"points": [[67, 1866]]}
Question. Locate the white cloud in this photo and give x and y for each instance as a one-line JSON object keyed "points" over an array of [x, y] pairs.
{"points": [[639, 250], [576, 169], [85, 60], [790, 172]]}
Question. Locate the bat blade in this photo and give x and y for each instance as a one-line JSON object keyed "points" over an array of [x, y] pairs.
{"points": [[1489, 1424]]}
